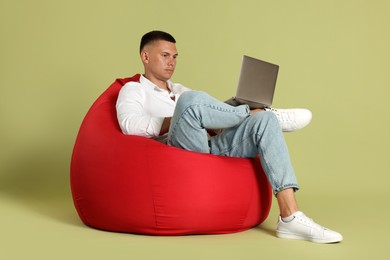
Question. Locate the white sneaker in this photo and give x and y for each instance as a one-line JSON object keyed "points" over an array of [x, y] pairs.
{"points": [[304, 228], [292, 119]]}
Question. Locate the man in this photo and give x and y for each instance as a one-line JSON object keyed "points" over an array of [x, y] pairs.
{"points": [[169, 112]]}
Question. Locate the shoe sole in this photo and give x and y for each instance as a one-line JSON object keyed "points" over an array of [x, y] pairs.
{"points": [[314, 240]]}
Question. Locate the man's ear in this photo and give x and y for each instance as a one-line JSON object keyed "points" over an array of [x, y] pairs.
{"points": [[144, 56]]}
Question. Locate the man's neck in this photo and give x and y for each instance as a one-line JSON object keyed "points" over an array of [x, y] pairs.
{"points": [[159, 83]]}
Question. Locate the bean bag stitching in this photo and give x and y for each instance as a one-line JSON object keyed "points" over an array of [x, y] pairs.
{"points": [[248, 208], [151, 185]]}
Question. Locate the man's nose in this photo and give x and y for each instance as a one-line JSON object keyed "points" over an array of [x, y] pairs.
{"points": [[172, 62]]}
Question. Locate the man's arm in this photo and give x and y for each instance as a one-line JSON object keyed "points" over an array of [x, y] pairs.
{"points": [[167, 121], [131, 114]]}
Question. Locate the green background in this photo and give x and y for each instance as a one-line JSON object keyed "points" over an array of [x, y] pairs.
{"points": [[56, 57]]}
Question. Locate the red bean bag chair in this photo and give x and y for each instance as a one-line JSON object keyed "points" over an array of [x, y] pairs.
{"points": [[134, 184]]}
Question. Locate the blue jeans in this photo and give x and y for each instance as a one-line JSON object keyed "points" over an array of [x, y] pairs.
{"points": [[243, 135]]}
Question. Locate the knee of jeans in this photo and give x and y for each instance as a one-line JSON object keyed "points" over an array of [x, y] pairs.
{"points": [[270, 116], [267, 116], [190, 98]]}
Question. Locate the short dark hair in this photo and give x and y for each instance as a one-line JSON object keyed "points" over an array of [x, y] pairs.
{"points": [[155, 36]]}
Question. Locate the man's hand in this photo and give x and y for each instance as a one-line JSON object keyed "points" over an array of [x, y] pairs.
{"points": [[165, 125], [257, 110], [213, 132]]}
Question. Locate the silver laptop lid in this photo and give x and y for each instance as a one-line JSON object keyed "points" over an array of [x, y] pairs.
{"points": [[257, 81]]}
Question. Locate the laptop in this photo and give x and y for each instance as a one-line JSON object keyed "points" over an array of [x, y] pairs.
{"points": [[256, 84]]}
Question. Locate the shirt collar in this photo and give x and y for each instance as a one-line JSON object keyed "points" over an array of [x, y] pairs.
{"points": [[145, 82]]}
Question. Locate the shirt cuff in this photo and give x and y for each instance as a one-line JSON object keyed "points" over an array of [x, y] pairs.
{"points": [[154, 126]]}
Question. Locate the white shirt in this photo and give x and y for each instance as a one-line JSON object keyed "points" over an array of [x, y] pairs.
{"points": [[142, 106]]}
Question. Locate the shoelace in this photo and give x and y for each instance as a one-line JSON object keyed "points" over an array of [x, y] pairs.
{"points": [[282, 117], [310, 222]]}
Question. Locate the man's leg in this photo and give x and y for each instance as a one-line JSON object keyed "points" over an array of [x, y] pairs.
{"points": [[259, 134], [197, 111], [287, 202], [247, 136], [243, 135]]}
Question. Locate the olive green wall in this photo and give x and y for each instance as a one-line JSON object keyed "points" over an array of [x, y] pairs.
{"points": [[56, 57]]}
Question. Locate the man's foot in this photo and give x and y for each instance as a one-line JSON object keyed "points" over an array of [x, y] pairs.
{"points": [[304, 228], [292, 119]]}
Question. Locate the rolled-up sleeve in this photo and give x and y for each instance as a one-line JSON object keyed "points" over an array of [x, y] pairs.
{"points": [[131, 113]]}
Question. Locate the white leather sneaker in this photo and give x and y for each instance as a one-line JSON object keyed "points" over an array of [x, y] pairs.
{"points": [[304, 228], [292, 119]]}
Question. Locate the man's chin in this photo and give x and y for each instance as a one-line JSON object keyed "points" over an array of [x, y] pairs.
{"points": [[169, 75]]}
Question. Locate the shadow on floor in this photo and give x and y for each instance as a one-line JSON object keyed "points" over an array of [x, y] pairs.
{"points": [[38, 179]]}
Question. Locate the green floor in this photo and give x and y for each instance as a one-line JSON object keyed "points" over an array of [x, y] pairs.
{"points": [[50, 229]]}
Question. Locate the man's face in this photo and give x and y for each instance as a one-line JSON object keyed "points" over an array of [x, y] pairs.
{"points": [[159, 59]]}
